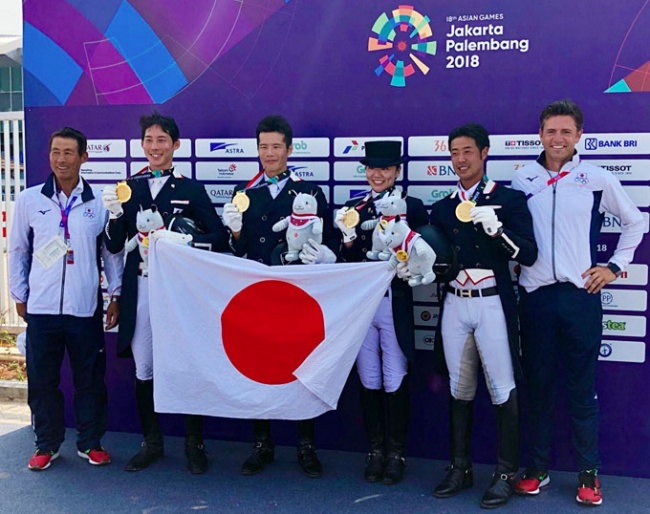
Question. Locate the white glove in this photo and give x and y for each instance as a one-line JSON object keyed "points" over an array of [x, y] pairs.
{"points": [[112, 204], [316, 253], [403, 271], [174, 237], [232, 218], [349, 234], [487, 216]]}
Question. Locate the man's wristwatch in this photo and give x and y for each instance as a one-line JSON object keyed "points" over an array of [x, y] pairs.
{"points": [[614, 269]]}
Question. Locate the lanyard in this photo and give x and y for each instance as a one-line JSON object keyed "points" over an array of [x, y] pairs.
{"points": [[256, 183], [65, 212], [141, 175], [477, 192], [553, 180]]}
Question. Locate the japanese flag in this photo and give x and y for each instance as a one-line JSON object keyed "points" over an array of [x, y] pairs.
{"points": [[235, 338]]}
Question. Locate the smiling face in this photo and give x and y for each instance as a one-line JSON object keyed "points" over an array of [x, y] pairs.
{"points": [[468, 161], [559, 136], [273, 152], [159, 148], [66, 162], [381, 179]]}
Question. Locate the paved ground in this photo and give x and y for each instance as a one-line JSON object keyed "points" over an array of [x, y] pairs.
{"points": [[13, 415]]}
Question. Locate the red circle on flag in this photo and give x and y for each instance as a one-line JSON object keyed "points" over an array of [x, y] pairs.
{"points": [[269, 328]]}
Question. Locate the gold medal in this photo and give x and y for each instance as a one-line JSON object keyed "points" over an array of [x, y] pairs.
{"points": [[382, 225], [241, 201], [123, 192], [463, 209], [351, 218], [401, 255]]}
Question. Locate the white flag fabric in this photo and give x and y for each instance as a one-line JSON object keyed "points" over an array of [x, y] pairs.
{"points": [[235, 338]]}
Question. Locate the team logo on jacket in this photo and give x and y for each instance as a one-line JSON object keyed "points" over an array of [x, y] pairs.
{"points": [[582, 178], [89, 213]]}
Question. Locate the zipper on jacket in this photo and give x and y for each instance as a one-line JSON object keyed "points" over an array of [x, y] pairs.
{"points": [[65, 263], [553, 232]]}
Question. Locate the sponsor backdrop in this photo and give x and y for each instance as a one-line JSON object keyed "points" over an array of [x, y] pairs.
{"points": [[345, 73]]}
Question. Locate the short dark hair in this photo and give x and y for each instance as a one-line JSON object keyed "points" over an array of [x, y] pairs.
{"points": [[71, 133], [564, 107], [167, 123], [275, 123], [472, 130]]}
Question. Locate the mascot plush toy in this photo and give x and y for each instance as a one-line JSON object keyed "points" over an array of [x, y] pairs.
{"points": [[146, 221], [408, 246], [302, 225], [388, 207]]}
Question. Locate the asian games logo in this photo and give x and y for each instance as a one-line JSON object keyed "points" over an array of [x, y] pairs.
{"points": [[404, 39]]}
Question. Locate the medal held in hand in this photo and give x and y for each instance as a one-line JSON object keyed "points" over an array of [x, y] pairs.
{"points": [[123, 192], [463, 209], [351, 218], [241, 201]]}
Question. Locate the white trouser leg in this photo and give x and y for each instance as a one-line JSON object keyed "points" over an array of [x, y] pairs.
{"points": [[142, 342]]}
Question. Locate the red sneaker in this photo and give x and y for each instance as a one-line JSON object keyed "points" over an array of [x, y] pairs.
{"points": [[589, 492], [532, 480], [96, 456], [42, 459]]}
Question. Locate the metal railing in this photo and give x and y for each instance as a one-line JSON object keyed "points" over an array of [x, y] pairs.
{"points": [[12, 182]]}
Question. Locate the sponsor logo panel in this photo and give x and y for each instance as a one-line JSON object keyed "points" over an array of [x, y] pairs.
{"points": [[310, 147], [349, 171], [239, 148], [426, 294], [428, 146], [311, 170], [624, 326], [515, 145], [355, 146], [624, 169], [430, 194], [431, 171], [107, 148], [184, 150], [503, 171], [220, 193], [614, 144], [226, 170], [182, 167], [424, 339], [426, 316], [612, 224], [622, 351], [623, 300], [91, 170]]}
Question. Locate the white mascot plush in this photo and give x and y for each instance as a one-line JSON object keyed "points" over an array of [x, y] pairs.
{"points": [[145, 221], [408, 246], [388, 207], [302, 225]]}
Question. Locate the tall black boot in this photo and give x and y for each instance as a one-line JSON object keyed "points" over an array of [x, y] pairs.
{"points": [[502, 486], [459, 474], [306, 451], [399, 417], [197, 461], [263, 448], [152, 447], [372, 408]]}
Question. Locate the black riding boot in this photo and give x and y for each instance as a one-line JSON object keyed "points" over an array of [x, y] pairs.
{"points": [[372, 408], [399, 416], [306, 451], [197, 461], [502, 486], [263, 448], [152, 447], [459, 474]]}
